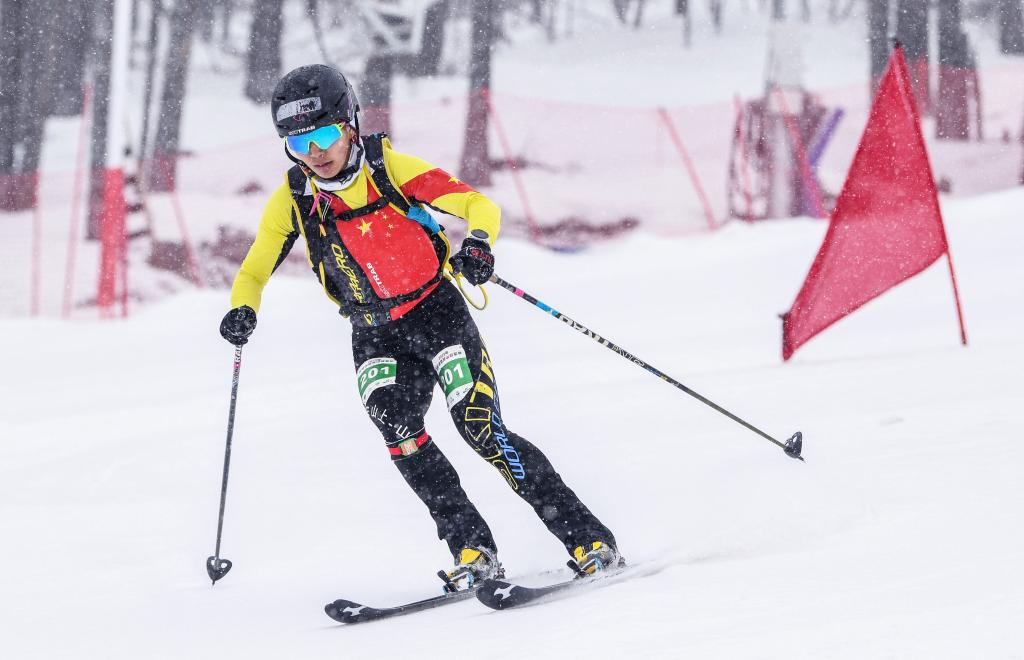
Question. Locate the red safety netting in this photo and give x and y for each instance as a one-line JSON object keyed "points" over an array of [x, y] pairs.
{"points": [[565, 174], [583, 166]]}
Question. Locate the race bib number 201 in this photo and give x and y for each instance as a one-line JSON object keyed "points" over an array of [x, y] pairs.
{"points": [[453, 373], [374, 374]]}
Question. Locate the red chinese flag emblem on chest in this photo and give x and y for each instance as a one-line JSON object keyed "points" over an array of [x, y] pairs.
{"points": [[394, 252]]}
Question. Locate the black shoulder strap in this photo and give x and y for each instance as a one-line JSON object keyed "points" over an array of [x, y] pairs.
{"points": [[297, 184], [373, 144], [305, 223]]}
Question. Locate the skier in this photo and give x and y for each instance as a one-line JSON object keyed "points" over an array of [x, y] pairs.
{"points": [[387, 264]]}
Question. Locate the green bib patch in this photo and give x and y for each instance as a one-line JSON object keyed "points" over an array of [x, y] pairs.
{"points": [[453, 373], [375, 373]]}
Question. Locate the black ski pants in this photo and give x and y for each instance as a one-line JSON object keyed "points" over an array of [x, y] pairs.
{"points": [[397, 368]]}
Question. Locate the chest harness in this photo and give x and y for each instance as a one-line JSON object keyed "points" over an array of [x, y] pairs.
{"points": [[318, 225]]}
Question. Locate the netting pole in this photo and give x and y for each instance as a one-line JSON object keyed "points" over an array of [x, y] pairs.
{"points": [[76, 203], [709, 215], [520, 188]]}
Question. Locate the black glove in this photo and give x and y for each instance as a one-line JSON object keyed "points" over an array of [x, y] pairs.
{"points": [[474, 260], [238, 324]]}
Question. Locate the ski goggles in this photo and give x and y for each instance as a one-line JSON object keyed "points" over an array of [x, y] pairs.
{"points": [[322, 137]]}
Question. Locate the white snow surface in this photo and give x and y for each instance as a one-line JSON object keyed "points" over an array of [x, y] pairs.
{"points": [[899, 537]]}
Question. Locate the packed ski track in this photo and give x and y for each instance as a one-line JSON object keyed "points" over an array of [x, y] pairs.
{"points": [[899, 537]]}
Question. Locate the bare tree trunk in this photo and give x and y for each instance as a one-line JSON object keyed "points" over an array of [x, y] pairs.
{"points": [[28, 97], [133, 30], [12, 41], [956, 75], [912, 33], [537, 11], [152, 55], [1011, 27], [476, 165], [638, 18], [225, 9], [621, 6], [100, 50], [375, 94], [715, 7], [683, 8], [427, 61], [544, 14], [38, 84], [206, 16], [164, 164], [263, 64], [69, 67], [879, 45]]}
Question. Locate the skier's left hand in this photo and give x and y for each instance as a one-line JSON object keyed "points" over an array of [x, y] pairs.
{"points": [[474, 260]]}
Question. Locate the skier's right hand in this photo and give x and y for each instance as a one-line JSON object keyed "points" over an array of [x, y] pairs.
{"points": [[238, 324]]}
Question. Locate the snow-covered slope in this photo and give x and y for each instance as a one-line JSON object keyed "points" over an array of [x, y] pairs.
{"points": [[899, 537]]}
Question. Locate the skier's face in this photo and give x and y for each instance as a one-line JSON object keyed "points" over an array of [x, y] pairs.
{"points": [[326, 163]]}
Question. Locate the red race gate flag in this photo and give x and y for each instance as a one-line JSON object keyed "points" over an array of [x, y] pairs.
{"points": [[886, 226]]}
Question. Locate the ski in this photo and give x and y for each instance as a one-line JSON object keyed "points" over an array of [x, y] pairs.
{"points": [[503, 595], [347, 611]]}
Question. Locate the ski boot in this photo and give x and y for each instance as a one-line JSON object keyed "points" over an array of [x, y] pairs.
{"points": [[600, 557], [472, 566]]}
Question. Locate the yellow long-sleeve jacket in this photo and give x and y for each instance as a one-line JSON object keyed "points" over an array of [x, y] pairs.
{"points": [[372, 259]]}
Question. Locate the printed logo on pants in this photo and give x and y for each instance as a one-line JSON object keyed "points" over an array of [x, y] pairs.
{"points": [[453, 373], [374, 374], [486, 431]]}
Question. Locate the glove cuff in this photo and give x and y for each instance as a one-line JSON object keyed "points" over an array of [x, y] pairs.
{"points": [[473, 242]]}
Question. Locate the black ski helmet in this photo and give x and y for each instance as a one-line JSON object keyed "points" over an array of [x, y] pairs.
{"points": [[310, 97]]}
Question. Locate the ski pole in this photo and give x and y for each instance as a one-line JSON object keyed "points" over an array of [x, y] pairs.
{"points": [[791, 447], [216, 566]]}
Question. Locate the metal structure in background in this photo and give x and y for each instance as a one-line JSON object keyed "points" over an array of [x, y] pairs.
{"points": [[397, 23], [779, 139]]}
